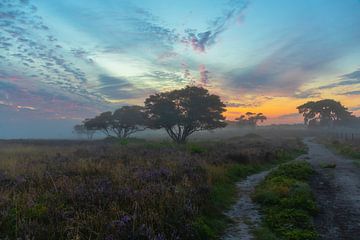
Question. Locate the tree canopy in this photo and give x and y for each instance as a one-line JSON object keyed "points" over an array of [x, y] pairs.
{"points": [[121, 123], [251, 119], [128, 120], [185, 111], [81, 130], [101, 123], [325, 112]]}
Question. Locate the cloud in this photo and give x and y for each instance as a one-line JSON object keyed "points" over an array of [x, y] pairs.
{"points": [[119, 88], [349, 79], [27, 45], [353, 75], [204, 75], [198, 41], [307, 94], [244, 105], [167, 76], [201, 40], [20, 95], [26, 108], [82, 54], [290, 63], [10, 105], [130, 27], [351, 93], [248, 101], [115, 87]]}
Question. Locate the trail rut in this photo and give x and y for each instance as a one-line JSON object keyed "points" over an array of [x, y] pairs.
{"points": [[245, 213], [337, 193]]}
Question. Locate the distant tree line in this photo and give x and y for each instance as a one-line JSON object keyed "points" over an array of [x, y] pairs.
{"points": [[250, 119], [191, 109], [180, 112]]}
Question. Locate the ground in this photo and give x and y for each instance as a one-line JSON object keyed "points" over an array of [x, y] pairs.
{"points": [[129, 189], [44, 182], [337, 192], [245, 213], [336, 187]]}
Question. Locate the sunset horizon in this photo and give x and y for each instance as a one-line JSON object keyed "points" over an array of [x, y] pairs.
{"points": [[65, 61]]}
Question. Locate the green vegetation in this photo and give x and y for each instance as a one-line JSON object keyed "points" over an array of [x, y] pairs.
{"points": [[346, 148], [212, 222], [287, 203], [328, 165]]}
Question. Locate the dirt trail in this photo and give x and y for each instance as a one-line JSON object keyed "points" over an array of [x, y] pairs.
{"points": [[245, 213], [337, 192]]}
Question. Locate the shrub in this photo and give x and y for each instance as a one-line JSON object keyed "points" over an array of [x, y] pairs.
{"points": [[298, 170], [287, 202]]}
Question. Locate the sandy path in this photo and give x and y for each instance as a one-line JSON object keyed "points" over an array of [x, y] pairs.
{"points": [[337, 192], [245, 213]]}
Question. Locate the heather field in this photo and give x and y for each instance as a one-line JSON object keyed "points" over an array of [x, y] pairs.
{"points": [[130, 189]]}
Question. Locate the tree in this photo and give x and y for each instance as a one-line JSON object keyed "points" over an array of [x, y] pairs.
{"points": [[122, 123], [325, 112], [128, 120], [185, 111], [81, 130], [251, 119], [101, 123]]}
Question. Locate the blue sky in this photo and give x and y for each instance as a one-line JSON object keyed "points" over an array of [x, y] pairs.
{"points": [[63, 61]]}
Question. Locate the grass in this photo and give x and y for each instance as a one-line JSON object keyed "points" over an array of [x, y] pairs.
{"points": [[287, 203], [347, 149], [212, 222], [131, 189], [328, 165]]}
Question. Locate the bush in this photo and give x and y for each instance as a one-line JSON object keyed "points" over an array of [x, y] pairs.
{"points": [[287, 202], [298, 170]]}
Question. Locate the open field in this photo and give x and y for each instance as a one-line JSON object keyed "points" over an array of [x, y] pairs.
{"points": [[135, 189], [195, 120]]}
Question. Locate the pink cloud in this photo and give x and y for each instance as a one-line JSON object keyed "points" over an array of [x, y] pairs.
{"points": [[204, 75]]}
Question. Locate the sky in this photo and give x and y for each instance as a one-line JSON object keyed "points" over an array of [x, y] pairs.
{"points": [[64, 61]]}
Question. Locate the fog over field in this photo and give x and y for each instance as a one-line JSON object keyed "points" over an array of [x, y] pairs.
{"points": [[179, 120]]}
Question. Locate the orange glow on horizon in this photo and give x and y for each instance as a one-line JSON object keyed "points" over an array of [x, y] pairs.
{"points": [[283, 110]]}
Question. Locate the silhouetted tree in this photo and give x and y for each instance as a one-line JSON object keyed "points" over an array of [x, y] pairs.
{"points": [[80, 130], [251, 119], [128, 120], [122, 123], [101, 123], [185, 111], [325, 112]]}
